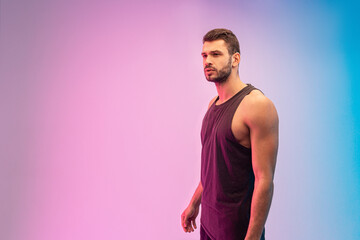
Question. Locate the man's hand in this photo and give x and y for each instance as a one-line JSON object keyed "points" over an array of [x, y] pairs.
{"points": [[188, 218]]}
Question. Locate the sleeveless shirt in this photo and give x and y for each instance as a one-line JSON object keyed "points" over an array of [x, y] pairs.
{"points": [[227, 175]]}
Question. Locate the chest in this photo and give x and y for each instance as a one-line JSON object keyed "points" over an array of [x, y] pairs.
{"points": [[225, 124]]}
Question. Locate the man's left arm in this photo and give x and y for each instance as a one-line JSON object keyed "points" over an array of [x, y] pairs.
{"points": [[263, 122]]}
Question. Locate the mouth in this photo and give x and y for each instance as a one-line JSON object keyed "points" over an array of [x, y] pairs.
{"points": [[209, 69]]}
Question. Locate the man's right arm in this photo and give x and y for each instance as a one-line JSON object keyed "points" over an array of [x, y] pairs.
{"points": [[190, 213], [196, 199]]}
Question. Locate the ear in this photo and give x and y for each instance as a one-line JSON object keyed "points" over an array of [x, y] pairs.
{"points": [[236, 59]]}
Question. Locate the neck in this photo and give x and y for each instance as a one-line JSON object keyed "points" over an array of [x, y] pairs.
{"points": [[229, 88]]}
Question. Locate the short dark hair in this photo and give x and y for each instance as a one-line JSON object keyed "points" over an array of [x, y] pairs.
{"points": [[228, 36]]}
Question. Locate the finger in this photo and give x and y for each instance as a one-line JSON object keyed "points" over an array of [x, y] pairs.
{"points": [[186, 222], [183, 219], [190, 228], [186, 225], [194, 223]]}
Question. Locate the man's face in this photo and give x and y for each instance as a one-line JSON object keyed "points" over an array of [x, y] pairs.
{"points": [[217, 62]]}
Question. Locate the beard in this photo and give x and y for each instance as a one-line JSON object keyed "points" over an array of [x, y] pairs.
{"points": [[221, 75]]}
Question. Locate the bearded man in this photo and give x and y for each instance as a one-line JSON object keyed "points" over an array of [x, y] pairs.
{"points": [[239, 139]]}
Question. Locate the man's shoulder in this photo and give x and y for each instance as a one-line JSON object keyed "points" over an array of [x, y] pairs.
{"points": [[257, 107], [256, 98], [212, 101]]}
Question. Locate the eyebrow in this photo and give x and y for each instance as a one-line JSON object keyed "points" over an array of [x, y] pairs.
{"points": [[212, 52]]}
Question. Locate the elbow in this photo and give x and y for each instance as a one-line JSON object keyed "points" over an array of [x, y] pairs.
{"points": [[266, 184]]}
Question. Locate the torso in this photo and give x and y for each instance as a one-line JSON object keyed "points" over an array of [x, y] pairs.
{"points": [[238, 126], [226, 168]]}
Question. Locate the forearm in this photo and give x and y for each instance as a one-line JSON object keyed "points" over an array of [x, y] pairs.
{"points": [[196, 199], [260, 206]]}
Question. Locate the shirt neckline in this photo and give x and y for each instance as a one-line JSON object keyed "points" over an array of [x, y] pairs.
{"points": [[222, 104]]}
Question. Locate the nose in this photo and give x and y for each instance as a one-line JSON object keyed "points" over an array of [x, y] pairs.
{"points": [[207, 61]]}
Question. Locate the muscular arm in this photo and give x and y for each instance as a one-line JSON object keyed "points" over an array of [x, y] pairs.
{"points": [[263, 122]]}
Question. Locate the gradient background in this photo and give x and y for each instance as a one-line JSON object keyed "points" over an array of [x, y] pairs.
{"points": [[102, 103]]}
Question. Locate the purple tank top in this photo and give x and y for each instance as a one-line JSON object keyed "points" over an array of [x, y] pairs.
{"points": [[227, 175]]}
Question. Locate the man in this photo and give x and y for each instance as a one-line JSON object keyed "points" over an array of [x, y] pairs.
{"points": [[239, 138]]}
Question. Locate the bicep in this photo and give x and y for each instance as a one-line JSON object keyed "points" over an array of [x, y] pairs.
{"points": [[264, 140]]}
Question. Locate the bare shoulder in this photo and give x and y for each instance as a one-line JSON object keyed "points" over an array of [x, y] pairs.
{"points": [[259, 110]]}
